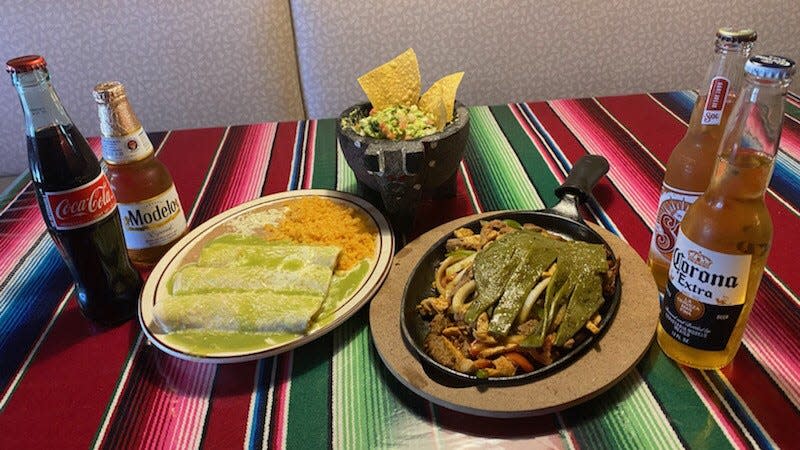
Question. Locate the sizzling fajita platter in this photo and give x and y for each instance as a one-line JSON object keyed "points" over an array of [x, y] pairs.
{"points": [[577, 377], [266, 276], [517, 313]]}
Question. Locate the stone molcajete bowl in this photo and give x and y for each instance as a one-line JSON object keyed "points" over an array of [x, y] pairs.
{"points": [[401, 171]]}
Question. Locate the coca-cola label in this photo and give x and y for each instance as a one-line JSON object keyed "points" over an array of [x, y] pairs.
{"points": [[153, 222], [705, 295], [672, 207], [715, 101], [80, 206], [125, 149]]}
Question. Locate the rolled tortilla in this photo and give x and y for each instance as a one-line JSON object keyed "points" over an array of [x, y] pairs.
{"points": [[267, 255], [308, 280], [243, 312]]}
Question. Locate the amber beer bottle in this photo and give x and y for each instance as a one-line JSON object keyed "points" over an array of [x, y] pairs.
{"points": [[724, 239], [690, 165], [150, 210]]}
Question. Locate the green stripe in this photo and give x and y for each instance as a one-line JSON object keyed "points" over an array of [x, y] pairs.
{"points": [[621, 418], [13, 189], [792, 110], [532, 160], [325, 155], [689, 415], [309, 419], [363, 407], [501, 181], [345, 178]]}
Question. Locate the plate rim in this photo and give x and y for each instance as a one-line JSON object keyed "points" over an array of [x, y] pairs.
{"points": [[370, 286], [400, 361]]}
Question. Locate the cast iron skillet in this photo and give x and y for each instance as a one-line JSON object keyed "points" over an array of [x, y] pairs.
{"points": [[565, 219]]}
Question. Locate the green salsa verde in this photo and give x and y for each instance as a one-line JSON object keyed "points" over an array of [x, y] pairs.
{"points": [[215, 342]]}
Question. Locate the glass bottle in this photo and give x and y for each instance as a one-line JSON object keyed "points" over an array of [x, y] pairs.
{"points": [[75, 199], [691, 163], [725, 237], [152, 217]]}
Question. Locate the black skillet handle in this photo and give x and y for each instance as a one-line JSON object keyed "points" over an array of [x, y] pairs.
{"points": [[583, 177], [577, 188]]}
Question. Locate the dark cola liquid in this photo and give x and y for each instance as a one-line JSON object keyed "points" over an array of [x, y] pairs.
{"points": [[106, 284]]}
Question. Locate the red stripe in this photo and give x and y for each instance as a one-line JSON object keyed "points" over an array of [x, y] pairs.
{"points": [[625, 218], [201, 145], [230, 405], [309, 150], [83, 388], [443, 210], [280, 164], [64, 382], [766, 403]]}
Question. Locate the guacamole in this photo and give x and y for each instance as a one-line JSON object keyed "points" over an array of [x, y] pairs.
{"points": [[393, 122]]}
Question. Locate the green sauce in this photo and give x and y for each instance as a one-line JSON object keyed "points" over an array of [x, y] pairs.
{"points": [[211, 342], [342, 286]]}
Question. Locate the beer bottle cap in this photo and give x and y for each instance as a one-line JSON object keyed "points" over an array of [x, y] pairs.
{"points": [[108, 91], [27, 63], [769, 66], [729, 34]]}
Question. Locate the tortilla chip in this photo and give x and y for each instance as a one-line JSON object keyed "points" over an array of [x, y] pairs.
{"points": [[439, 112], [445, 89], [396, 82]]}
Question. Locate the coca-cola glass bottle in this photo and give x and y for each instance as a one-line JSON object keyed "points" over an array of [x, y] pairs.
{"points": [[75, 198]]}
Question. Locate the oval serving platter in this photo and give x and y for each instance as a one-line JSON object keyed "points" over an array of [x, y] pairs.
{"points": [[244, 219]]}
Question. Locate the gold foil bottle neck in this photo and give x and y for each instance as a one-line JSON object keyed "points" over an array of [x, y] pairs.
{"points": [[115, 112]]}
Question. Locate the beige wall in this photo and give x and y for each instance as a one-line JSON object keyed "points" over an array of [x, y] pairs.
{"points": [[185, 63], [527, 50], [195, 63]]}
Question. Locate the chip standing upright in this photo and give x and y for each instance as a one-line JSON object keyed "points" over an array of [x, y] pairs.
{"points": [[691, 163], [151, 212], [725, 238]]}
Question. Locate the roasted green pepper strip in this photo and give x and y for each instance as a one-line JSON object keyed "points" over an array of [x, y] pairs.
{"points": [[519, 285], [492, 267]]}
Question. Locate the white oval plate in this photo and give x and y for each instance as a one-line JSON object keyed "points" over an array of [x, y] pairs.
{"points": [[186, 250]]}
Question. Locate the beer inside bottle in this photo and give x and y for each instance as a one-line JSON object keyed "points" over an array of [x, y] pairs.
{"points": [[723, 242], [151, 213], [691, 163]]}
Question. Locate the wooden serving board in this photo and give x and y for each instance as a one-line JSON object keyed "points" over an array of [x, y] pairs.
{"points": [[624, 343]]}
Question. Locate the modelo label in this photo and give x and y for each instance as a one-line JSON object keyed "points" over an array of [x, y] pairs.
{"points": [[704, 296], [81, 206], [672, 207], [125, 149], [715, 101], [156, 221]]}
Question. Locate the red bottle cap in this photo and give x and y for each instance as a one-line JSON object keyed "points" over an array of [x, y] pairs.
{"points": [[26, 63]]}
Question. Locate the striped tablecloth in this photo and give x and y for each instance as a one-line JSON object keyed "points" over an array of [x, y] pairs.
{"points": [[65, 383]]}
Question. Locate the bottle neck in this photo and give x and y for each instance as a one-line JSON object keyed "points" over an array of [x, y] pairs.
{"points": [[117, 118], [728, 63], [124, 140], [40, 103], [750, 142]]}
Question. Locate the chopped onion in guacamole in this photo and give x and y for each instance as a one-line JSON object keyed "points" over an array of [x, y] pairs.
{"points": [[393, 122]]}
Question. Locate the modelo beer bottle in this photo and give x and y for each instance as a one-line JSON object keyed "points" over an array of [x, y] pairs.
{"points": [[690, 165], [723, 242], [75, 199], [151, 213]]}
